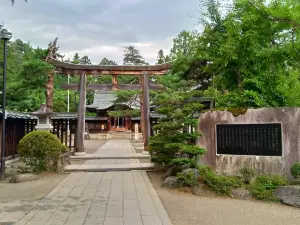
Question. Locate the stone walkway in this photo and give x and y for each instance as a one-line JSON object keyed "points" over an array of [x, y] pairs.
{"points": [[101, 198]]}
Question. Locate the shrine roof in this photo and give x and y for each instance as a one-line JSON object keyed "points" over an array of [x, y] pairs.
{"points": [[18, 115], [70, 68], [105, 99]]}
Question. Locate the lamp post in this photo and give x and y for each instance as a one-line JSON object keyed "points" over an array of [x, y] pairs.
{"points": [[5, 35]]}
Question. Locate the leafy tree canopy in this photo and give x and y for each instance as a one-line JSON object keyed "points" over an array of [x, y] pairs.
{"points": [[249, 48]]}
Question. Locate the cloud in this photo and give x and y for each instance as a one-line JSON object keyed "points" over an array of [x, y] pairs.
{"points": [[101, 28]]}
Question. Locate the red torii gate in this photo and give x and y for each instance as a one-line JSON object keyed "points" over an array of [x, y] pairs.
{"points": [[143, 71]]}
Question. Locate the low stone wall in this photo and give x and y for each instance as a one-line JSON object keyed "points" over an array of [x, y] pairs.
{"points": [[231, 164], [63, 160]]}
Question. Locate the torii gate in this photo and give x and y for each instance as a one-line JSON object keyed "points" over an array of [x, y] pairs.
{"points": [[143, 71]]}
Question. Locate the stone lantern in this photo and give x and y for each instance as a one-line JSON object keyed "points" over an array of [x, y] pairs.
{"points": [[43, 114]]}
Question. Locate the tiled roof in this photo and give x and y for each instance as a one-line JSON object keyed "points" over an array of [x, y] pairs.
{"points": [[18, 115], [64, 115], [105, 99]]}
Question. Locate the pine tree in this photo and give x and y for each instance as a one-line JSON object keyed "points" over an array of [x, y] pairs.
{"points": [[174, 145], [76, 59], [106, 61], [160, 57], [132, 56], [85, 60]]}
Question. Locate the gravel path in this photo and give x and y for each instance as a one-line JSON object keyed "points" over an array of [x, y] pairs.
{"points": [[188, 209]]}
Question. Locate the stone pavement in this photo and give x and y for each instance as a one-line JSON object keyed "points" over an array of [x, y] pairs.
{"points": [[101, 198], [110, 151]]}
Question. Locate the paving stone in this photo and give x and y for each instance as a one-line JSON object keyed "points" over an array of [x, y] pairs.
{"points": [[113, 221], [151, 220], [132, 217], [101, 198], [56, 221], [94, 221], [130, 204], [114, 209], [75, 221]]}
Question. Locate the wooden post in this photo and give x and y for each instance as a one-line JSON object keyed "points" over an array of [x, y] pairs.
{"points": [[142, 108], [108, 124], [114, 82], [81, 116], [146, 110]]}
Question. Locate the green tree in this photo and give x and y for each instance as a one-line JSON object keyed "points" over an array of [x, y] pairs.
{"points": [[132, 56], [161, 57], [184, 44], [106, 61], [249, 49], [76, 59], [173, 145], [85, 60]]}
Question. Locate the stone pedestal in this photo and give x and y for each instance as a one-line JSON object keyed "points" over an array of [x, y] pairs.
{"points": [[44, 123], [43, 114]]}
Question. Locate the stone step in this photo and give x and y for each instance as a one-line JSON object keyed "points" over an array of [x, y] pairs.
{"points": [[108, 167], [95, 156]]}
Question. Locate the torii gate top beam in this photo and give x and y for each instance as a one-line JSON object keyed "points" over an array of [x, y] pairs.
{"points": [[70, 68]]}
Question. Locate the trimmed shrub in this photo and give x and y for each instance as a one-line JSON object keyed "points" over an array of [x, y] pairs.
{"points": [[218, 183], [40, 150], [295, 170], [222, 184], [264, 186], [248, 174]]}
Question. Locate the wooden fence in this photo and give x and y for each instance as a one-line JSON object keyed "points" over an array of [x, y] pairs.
{"points": [[16, 129], [60, 129]]}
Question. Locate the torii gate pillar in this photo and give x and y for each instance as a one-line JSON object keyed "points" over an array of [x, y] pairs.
{"points": [[80, 150], [146, 111]]}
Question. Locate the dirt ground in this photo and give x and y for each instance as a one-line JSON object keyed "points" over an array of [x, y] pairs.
{"points": [[30, 191], [184, 208], [34, 190]]}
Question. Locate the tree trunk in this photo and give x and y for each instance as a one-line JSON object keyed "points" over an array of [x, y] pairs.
{"points": [[49, 91], [239, 80]]}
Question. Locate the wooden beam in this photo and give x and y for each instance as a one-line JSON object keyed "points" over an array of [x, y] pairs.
{"points": [[104, 68], [92, 72], [90, 87], [74, 86], [146, 110], [81, 116]]}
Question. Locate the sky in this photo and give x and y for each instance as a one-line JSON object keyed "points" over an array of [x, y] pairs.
{"points": [[101, 28]]}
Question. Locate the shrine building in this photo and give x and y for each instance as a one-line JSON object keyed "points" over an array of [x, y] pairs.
{"points": [[103, 103]]}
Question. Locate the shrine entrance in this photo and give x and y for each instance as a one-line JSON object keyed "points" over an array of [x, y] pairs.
{"points": [[113, 124]]}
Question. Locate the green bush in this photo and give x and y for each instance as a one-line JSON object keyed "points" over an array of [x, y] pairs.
{"points": [[295, 170], [188, 179], [222, 184], [204, 170], [40, 150], [219, 184], [248, 174], [264, 186]]}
